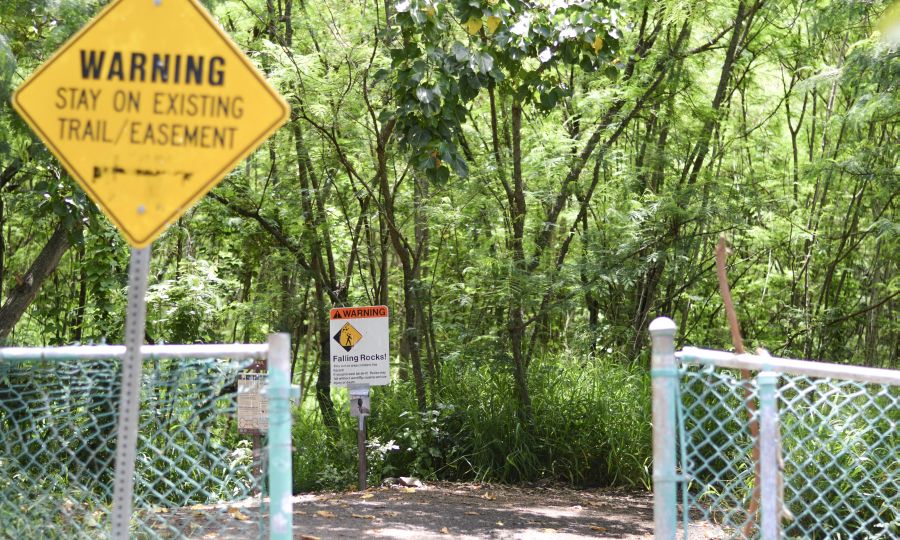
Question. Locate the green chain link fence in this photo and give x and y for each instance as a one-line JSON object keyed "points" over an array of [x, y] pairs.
{"points": [[195, 477], [832, 452]]}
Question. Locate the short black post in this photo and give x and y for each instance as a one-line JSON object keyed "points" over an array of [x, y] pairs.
{"points": [[361, 437]]}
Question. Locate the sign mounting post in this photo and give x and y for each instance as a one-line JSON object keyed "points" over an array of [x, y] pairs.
{"points": [[360, 359], [130, 392], [147, 107]]}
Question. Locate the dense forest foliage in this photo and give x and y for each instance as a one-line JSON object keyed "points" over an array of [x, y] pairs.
{"points": [[526, 184]]}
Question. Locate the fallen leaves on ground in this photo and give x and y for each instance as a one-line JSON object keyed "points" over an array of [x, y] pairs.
{"points": [[363, 516], [472, 514], [489, 496], [367, 495], [309, 537], [445, 530], [237, 514], [390, 513], [598, 528], [408, 490], [325, 514]]}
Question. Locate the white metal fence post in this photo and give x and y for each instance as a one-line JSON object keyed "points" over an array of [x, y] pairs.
{"points": [[281, 513], [768, 455], [665, 378]]}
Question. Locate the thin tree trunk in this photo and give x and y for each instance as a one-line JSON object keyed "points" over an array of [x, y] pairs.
{"points": [[516, 321], [409, 265], [731, 56], [323, 382]]}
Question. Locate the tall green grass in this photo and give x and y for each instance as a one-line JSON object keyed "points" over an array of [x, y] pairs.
{"points": [[590, 427]]}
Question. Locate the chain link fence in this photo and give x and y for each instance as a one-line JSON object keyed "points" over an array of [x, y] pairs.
{"points": [[195, 476], [825, 464]]}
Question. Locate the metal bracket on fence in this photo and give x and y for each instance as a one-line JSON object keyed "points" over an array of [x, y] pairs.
{"points": [[675, 478], [291, 392]]}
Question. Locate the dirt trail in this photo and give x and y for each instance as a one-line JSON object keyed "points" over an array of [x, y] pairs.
{"points": [[476, 511]]}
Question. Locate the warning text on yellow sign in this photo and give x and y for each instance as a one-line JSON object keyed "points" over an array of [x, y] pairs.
{"points": [[148, 107]]}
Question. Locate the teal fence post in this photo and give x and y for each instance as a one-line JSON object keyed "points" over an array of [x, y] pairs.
{"points": [[665, 378], [281, 513], [768, 456]]}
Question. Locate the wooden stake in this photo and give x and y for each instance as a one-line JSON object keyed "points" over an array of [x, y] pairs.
{"points": [[738, 342]]}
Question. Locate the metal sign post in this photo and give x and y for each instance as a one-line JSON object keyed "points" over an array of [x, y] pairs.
{"points": [[360, 406], [130, 395]]}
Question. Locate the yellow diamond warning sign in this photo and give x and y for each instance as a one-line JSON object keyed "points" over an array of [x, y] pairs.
{"points": [[148, 107], [347, 337]]}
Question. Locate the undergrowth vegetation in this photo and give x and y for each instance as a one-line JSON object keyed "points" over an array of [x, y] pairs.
{"points": [[590, 428]]}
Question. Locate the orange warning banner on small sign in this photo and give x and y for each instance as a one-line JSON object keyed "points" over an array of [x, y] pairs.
{"points": [[368, 312]]}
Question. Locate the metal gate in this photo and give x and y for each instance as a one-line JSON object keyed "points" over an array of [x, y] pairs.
{"points": [[194, 476], [828, 447]]}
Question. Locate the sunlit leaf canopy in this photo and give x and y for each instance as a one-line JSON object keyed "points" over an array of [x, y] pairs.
{"points": [[444, 54]]}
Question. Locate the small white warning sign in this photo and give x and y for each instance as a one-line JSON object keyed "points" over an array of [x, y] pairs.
{"points": [[252, 404], [360, 346]]}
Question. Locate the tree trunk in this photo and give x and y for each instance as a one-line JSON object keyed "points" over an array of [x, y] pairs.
{"points": [[323, 382], [732, 54], [409, 265], [21, 296], [516, 321]]}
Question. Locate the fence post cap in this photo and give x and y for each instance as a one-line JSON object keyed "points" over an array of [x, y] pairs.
{"points": [[663, 325]]}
